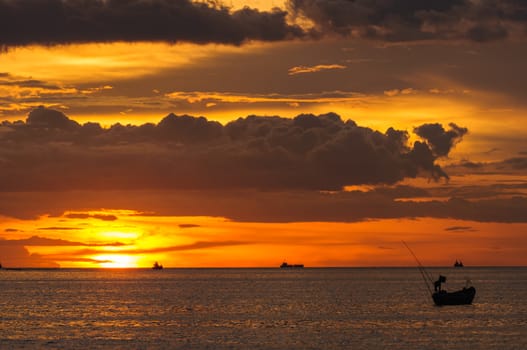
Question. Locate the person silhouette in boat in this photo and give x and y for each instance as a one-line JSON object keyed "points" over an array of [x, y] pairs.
{"points": [[437, 284]]}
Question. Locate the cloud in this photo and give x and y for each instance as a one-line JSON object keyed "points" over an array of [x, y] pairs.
{"points": [[511, 166], [460, 228], [43, 241], [440, 140], [58, 22], [103, 217], [53, 22], [57, 228], [15, 254], [21, 93], [395, 92], [314, 69], [226, 97], [23, 87], [396, 21], [518, 163], [52, 152], [18, 255], [245, 205], [177, 248], [188, 225], [191, 246]]}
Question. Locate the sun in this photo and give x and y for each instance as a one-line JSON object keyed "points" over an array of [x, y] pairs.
{"points": [[116, 261]]}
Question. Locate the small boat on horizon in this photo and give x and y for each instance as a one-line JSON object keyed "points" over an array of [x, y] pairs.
{"points": [[285, 265], [157, 266], [458, 263]]}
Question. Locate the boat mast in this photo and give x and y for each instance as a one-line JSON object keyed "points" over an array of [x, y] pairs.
{"points": [[422, 270]]}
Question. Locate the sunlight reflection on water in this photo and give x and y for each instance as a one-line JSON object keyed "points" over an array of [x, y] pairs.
{"points": [[258, 308]]}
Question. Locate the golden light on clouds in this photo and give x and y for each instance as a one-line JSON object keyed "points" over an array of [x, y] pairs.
{"points": [[314, 69], [443, 104], [89, 63]]}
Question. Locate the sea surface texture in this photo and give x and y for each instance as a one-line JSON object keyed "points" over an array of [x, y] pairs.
{"points": [[355, 308]]}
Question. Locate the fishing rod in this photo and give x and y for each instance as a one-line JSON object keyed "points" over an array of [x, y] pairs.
{"points": [[422, 270]]}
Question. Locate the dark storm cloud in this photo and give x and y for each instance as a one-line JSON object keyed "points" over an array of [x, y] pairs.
{"points": [[50, 22], [410, 20], [52, 152]]}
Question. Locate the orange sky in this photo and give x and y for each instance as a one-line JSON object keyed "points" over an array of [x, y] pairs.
{"points": [[218, 242], [418, 93]]}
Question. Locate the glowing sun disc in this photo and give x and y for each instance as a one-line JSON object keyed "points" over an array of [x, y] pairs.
{"points": [[117, 261]]}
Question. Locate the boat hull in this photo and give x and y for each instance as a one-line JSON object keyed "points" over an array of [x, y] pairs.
{"points": [[289, 266], [461, 297]]}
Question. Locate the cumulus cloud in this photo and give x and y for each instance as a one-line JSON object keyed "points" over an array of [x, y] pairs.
{"points": [[49, 151], [49, 118], [50, 22], [392, 20]]}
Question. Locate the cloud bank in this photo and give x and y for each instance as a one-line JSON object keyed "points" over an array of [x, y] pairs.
{"points": [[51, 22], [272, 206], [396, 21], [55, 22], [50, 152]]}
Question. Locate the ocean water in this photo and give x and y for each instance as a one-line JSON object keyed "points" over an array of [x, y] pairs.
{"points": [[355, 308]]}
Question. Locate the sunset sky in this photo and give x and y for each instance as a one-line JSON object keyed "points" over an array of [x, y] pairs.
{"points": [[245, 133]]}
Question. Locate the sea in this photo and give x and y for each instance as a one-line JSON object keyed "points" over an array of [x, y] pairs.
{"points": [[310, 308]]}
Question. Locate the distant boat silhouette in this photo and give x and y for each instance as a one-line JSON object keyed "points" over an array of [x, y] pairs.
{"points": [[157, 266], [285, 265], [442, 297], [458, 263]]}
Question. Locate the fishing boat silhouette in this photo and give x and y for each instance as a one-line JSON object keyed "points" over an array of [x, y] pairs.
{"points": [[440, 296]]}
